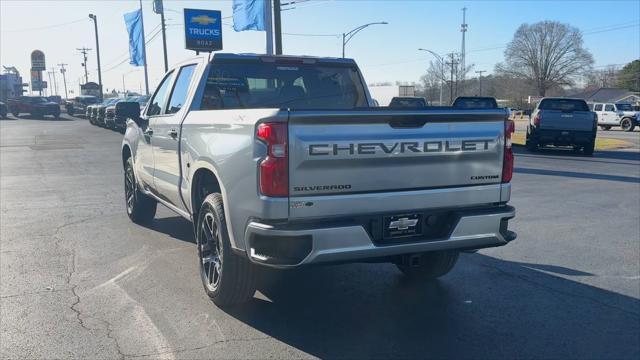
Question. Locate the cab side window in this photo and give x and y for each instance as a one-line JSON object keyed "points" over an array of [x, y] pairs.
{"points": [[598, 107], [180, 89], [608, 107], [159, 98]]}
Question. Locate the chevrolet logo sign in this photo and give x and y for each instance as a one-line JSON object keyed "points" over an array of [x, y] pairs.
{"points": [[403, 224], [203, 20]]}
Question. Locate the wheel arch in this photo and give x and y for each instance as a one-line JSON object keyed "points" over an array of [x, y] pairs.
{"points": [[203, 182]]}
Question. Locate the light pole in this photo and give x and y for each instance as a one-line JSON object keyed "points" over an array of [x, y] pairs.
{"points": [[95, 24], [346, 37], [441, 61]]}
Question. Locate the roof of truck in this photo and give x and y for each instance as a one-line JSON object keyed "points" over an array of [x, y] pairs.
{"points": [[265, 57]]}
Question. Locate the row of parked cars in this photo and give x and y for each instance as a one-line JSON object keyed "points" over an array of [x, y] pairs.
{"points": [[554, 121], [103, 113]]}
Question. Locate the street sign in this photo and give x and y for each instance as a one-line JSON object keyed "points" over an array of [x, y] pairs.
{"points": [[203, 30], [90, 88], [37, 61], [36, 81], [38, 85]]}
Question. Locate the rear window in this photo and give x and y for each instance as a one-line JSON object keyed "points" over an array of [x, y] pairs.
{"points": [[475, 103], [408, 102], [566, 105], [272, 85]]}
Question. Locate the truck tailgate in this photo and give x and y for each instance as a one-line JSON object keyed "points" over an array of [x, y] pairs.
{"points": [[559, 120], [365, 151]]}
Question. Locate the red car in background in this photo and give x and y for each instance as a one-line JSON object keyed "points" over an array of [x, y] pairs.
{"points": [[37, 106]]}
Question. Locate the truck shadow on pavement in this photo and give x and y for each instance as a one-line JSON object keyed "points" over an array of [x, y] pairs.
{"points": [[580, 175], [33, 118], [485, 308], [175, 226], [626, 157]]}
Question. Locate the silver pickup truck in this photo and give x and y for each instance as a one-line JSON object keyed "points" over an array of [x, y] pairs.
{"points": [[283, 161]]}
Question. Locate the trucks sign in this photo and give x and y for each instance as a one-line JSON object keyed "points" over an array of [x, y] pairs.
{"points": [[203, 30]]}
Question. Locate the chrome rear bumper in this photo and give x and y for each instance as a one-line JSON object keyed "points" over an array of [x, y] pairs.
{"points": [[285, 246]]}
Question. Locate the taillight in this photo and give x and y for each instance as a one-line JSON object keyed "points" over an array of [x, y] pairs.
{"points": [[274, 169], [507, 163], [536, 119]]}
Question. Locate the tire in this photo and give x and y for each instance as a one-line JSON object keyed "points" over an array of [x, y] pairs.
{"points": [[605, 127], [627, 124], [141, 209], [228, 279], [432, 265], [56, 116], [70, 111], [588, 149], [16, 113]]}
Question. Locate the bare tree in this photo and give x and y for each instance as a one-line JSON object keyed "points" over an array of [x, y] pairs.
{"points": [[546, 54], [446, 73]]}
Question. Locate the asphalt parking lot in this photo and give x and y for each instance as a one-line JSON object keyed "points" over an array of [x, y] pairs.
{"points": [[79, 280]]}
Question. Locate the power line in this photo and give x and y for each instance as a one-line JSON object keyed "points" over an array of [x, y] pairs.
{"points": [[611, 29], [312, 35], [48, 26], [153, 36], [597, 30], [127, 52]]}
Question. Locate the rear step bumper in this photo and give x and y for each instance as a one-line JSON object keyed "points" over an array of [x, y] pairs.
{"points": [[287, 245], [563, 137]]}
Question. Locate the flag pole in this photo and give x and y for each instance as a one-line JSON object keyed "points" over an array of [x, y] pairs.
{"points": [[268, 22], [144, 53]]}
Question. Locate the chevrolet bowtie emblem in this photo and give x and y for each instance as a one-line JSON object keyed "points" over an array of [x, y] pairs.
{"points": [[403, 224], [203, 20]]}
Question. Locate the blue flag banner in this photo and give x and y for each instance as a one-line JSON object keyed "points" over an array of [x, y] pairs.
{"points": [[248, 15], [133, 20]]}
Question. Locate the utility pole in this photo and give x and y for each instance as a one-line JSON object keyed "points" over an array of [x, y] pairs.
{"points": [[479, 72], [95, 24], [158, 8], [48, 89], [84, 52], [277, 26], [64, 79], [452, 64], [55, 84], [463, 29]]}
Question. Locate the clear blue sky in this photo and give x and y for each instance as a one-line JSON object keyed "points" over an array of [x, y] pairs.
{"points": [[385, 52]]}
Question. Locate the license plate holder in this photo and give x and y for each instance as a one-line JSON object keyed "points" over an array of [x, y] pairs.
{"points": [[404, 225]]}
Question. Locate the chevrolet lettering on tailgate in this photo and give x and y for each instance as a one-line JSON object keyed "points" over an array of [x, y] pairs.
{"points": [[373, 148]]}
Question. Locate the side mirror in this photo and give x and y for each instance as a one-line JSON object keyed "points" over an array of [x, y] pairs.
{"points": [[128, 109]]}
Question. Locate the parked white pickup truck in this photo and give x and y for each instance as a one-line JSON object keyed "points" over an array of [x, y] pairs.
{"points": [[612, 114], [283, 161]]}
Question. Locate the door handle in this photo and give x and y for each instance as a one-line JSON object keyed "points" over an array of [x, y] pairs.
{"points": [[173, 133], [148, 131]]}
